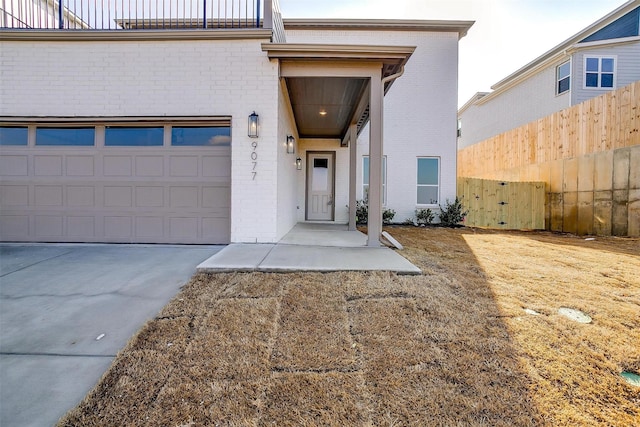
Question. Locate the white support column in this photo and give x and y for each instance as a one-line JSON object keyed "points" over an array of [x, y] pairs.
{"points": [[374, 225], [353, 140]]}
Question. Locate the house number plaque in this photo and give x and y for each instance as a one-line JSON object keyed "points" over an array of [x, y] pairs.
{"points": [[254, 160]]}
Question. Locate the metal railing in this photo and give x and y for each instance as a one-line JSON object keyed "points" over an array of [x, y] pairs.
{"points": [[137, 14]]}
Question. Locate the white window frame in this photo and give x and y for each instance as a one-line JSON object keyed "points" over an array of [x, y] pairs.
{"points": [[428, 185], [365, 185], [558, 79], [600, 72]]}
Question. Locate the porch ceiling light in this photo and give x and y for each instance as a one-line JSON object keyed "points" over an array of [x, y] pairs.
{"points": [[291, 141], [323, 112], [299, 164], [253, 125]]}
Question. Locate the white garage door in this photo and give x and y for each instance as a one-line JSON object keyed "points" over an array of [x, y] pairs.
{"points": [[116, 182]]}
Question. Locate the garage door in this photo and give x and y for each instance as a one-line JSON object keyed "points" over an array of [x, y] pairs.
{"points": [[116, 182]]}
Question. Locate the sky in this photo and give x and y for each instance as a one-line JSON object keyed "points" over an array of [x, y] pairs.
{"points": [[507, 34]]}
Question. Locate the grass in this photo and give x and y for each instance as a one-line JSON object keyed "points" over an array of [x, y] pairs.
{"points": [[453, 347]]}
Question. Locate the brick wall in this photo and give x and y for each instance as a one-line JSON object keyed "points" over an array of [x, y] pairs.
{"points": [[160, 78]]}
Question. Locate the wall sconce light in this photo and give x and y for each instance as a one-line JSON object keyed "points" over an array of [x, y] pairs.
{"points": [[299, 163], [253, 125], [291, 144]]}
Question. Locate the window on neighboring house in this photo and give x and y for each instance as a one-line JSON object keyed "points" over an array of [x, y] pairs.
{"points": [[65, 136], [14, 135], [599, 72], [563, 77], [133, 136], [428, 181], [459, 133], [365, 178]]}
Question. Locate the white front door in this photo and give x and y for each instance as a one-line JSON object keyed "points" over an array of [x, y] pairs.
{"points": [[320, 178]]}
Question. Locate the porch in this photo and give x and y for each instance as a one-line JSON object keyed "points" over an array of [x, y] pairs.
{"points": [[310, 247]]}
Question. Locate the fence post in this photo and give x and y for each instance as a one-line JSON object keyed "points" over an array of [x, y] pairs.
{"points": [[60, 21]]}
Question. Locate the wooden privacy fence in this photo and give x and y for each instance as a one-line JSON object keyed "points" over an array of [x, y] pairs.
{"points": [[503, 204], [588, 155], [603, 123]]}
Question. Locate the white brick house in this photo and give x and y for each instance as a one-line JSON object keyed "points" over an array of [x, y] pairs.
{"points": [[141, 135]]}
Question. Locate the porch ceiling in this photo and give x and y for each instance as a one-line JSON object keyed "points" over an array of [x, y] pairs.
{"points": [[324, 105]]}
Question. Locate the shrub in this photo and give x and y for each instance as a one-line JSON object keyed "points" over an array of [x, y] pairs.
{"points": [[453, 213], [424, 216], [387, 216], [362, 211]]}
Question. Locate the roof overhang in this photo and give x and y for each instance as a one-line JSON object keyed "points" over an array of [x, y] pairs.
{"points": [[326, 102], [460, 27]]}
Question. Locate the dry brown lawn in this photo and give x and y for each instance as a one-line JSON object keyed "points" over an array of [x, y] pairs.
{"points": [[453, 347]]}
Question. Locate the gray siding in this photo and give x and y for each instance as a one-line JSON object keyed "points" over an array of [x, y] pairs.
{"points": [[627, 69]]}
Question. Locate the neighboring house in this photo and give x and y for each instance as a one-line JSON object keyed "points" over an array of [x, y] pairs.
{"points": [[147, 134], [602, 57]]}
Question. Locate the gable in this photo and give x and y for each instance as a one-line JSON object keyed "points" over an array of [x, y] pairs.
{"points": [[625, 26]]}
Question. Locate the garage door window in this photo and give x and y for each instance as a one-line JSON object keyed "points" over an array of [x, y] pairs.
{"points": [[14, 136], [218, 136], [65, 136], [133, 136]]}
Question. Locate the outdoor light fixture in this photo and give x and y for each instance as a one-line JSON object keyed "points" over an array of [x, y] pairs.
{"points": [[291, 144], [299, 163], [253, 125]]}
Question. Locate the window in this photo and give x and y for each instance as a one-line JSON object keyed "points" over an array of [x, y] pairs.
{"points": [[365, 178], [133, 136], [563, 78], [599, 72], [219, 136], [428, 180], [65, 136], [14, 136]]}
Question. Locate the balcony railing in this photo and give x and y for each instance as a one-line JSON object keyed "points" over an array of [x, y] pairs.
{"points": [[140, 14]]}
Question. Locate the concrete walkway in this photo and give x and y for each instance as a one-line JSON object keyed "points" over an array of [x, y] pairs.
{"points": [[66, 311], [310, 247]]}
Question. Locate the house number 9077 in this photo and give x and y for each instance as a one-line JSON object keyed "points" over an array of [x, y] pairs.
{"points": [[254, 160]]}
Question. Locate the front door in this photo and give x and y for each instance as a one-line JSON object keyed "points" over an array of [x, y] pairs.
{"points": [[320, 178]]}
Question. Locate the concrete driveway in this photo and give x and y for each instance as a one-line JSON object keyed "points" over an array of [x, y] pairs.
{"points": [[66, 310]]}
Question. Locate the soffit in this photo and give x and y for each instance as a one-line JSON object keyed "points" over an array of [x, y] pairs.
{"points": [[336, 95]]}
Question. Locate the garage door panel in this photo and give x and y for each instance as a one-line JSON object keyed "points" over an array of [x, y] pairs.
{"points": [[14, 195], [14, 227], [80, 196], [149, 166], [149, 227], [49, 226], [147, 196], [14, 165], [186, 166], [118, 227], [118, 196], [80, 166], [117, 165], [48, 195], [81, 226], [47, 165]]}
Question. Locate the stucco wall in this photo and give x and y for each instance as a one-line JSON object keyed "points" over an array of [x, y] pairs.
{"points": [[161, 78], [419, 110]]}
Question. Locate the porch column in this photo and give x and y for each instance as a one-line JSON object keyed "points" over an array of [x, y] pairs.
{"points": [[353, 137], [375, 161]]}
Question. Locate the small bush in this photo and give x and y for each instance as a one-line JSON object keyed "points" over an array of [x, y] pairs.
{"points": [[387, 216], [424, 216], [452, 214], [362, 211]]}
